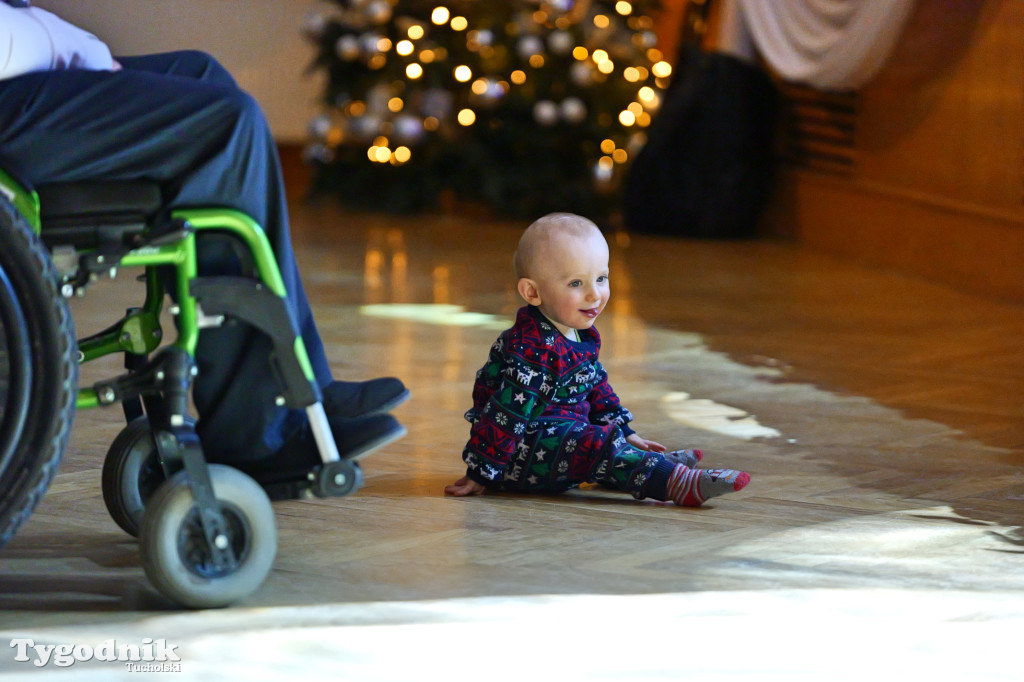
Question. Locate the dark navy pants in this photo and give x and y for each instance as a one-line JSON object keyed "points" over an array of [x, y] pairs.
{"points": [[179, 119]]}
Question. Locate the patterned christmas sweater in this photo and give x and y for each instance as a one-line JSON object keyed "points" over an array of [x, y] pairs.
{"points": [[534, 373]]}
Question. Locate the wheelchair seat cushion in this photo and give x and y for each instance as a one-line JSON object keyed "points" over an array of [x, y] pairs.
{"points": [[86, 214], [88, 201]]}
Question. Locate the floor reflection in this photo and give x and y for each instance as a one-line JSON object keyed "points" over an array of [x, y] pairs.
{"points": [[878, 417]]}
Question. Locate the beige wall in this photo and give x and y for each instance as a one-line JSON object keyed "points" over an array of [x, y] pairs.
{"points": [[259, 41]]}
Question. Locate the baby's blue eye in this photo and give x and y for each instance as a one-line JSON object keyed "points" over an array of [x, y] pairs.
{"points": [[576, 283], [602, 278]]}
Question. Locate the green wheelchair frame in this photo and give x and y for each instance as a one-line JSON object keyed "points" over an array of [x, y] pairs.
{"points": [[207, 531]]}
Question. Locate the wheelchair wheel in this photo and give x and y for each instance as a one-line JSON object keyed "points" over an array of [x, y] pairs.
{"points": [[38, 371], [131, 474], [174, 551]]}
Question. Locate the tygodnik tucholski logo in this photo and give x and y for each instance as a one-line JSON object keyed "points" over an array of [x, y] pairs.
{"points": [[152, 655]]}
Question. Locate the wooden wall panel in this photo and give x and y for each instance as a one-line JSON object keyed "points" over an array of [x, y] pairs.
{"points": [[968, 250], [947, 115], [937, 184]]}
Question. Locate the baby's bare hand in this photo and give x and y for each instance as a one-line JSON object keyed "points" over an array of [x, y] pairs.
{"points": [[642, 443], [464, 486]]}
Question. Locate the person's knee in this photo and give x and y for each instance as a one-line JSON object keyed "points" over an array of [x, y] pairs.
{"points": [[207, 68], [246, 110], [190, 64]]}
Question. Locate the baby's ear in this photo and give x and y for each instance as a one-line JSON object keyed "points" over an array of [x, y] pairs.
{"points": [[528, 290]]}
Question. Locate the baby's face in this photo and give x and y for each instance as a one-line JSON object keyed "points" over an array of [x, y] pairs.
{"points": [[572, 280]]}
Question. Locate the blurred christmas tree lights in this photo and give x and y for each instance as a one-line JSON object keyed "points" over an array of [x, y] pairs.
{"points": [[527, 107]]}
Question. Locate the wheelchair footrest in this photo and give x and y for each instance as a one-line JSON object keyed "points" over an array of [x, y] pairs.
{"points": [[334, 479]]}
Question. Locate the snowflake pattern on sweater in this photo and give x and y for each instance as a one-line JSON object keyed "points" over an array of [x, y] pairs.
{"points": [[535, 377]]}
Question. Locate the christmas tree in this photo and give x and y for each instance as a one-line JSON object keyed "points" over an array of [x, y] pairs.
{"points": [[527, 107]]}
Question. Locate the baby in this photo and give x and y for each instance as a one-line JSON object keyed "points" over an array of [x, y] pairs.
{"points": [[544, 417]]}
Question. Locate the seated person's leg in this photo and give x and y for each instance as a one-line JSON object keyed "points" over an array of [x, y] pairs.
{"points": [[184, 63], [208, 144]]}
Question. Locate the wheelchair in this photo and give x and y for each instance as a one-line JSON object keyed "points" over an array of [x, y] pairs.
{"points": [[207, 534]]}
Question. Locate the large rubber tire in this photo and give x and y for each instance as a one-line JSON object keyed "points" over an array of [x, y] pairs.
{"points": [[174, 552], [36, 414]]}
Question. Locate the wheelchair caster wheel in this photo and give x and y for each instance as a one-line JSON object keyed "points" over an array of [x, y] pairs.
{"points": [[131, 474], [337, 479], [176, 555]]}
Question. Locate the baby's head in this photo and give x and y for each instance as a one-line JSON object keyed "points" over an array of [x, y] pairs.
{"points": [[562, 267]]}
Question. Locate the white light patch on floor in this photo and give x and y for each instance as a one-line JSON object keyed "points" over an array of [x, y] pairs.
{"points": [[435, 313], [909, 543], [768, 636], [708, 415]]}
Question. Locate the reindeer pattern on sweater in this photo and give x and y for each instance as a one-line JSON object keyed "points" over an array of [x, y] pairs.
{"points": [[545, 418]]}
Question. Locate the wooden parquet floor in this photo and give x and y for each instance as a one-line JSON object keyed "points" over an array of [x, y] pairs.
{"points": [[881, 419]]}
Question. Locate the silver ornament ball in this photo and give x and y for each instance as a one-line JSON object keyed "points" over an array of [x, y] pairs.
{"points": [[545, 112]]}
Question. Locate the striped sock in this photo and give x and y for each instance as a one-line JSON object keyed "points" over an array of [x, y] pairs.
{"points": [[693, 487], [687, 457]]}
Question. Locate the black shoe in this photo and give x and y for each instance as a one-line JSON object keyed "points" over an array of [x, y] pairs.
{"points": [[351, 399], [355, 438]]}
